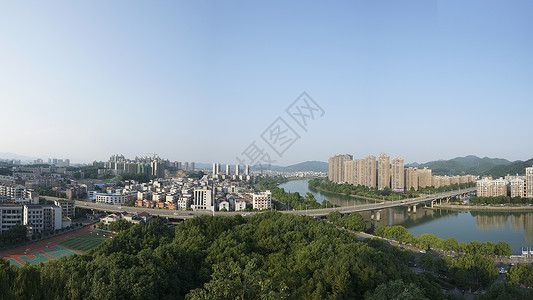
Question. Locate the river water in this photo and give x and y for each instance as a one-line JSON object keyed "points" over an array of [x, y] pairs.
{"points": [[515, 228]]}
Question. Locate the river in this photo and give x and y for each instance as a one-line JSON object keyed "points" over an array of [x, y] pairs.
{"points": [[514, 228]]}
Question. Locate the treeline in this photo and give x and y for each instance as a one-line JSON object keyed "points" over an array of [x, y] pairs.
{"points": [[13, 236], [386, 193], [265, 256], [429, 240], [465, 270], [6, 172], [290, 200], [353, 221], [505, 200]]}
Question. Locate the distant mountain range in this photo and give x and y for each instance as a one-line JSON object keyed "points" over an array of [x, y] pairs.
{"points": [[9, 155], [313, 166], [474, 165]]}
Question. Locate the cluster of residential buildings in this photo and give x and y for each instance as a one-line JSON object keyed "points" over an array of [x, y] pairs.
{"points": [[514, 186], [152, 166], [228, 174], [386, 173], [187, 193], [37, 218]]}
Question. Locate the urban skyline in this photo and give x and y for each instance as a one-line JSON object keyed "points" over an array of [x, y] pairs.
{"points": [[91, 78]]}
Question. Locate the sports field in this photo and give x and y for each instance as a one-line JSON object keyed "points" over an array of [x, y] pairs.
{"points": [[83, 243], [41, 252]]}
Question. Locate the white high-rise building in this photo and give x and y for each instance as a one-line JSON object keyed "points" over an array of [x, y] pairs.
{"points": [[237, 170], [203, 199], [529, 182], [517, 186], [262, 200]]}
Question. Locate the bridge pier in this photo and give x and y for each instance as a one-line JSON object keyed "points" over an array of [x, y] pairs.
{"points": [[432, 201], [414, 209], [408, 209]]}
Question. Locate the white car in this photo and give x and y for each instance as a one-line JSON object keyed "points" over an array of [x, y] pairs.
{"points": [[422, 251]]}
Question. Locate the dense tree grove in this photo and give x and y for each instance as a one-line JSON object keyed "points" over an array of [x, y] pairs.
{"points": [[521, 274], [13, 236], [290, 200], [499, 200], [353, 221], [429, 240], [502, 291], [387, 194], [6, 171], [265, 256]]}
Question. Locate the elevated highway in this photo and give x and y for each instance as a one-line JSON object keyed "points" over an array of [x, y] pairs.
{"points": [[376, 207]]}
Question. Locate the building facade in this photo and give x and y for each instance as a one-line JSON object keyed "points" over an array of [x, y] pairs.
{"points": [[262, 201], [370, 171], [10, 215], [40, 218], [203, 199], [383, 171], [529, 182], [336, 167], [398, 174]]}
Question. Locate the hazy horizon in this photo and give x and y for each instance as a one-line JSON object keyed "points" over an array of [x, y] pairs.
{"points": [[201, 81]]}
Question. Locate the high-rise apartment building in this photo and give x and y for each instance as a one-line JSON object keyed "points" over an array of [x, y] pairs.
{"points": [[336, 167], [483, 187], [227, 170], [411, 178], [383, 171], [237, 170], [424, 177], [349, 170], [499, 187], [216, 168], [491, 188], [517, 187], [397, 178], [370, 171], [529, 182], [354, 171]]}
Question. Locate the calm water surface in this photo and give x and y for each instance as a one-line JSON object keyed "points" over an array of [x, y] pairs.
{"points": [[515, 228]]}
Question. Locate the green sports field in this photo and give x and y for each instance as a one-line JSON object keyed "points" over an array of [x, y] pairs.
{"points": [[83, 243]]}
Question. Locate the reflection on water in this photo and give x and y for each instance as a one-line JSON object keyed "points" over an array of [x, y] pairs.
{"points": [[515, 228]]}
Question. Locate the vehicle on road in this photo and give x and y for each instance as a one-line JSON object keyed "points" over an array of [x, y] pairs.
{"points": [[422, 251]]}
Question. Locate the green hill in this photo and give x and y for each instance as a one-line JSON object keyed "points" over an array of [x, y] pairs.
{"points": [[464, 165], [517, 167]]}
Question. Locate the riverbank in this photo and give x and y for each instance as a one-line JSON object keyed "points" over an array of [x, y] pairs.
{"points": [[482, 208], [354, 196]]}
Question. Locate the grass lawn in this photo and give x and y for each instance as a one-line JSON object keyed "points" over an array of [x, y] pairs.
{"points": [[83, 243]]}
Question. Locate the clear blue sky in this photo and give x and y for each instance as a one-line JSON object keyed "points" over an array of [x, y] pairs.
{"points": [[200, 80]]}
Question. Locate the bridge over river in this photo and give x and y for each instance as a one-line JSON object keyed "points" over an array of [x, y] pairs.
{"points": [[375, 208]]}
